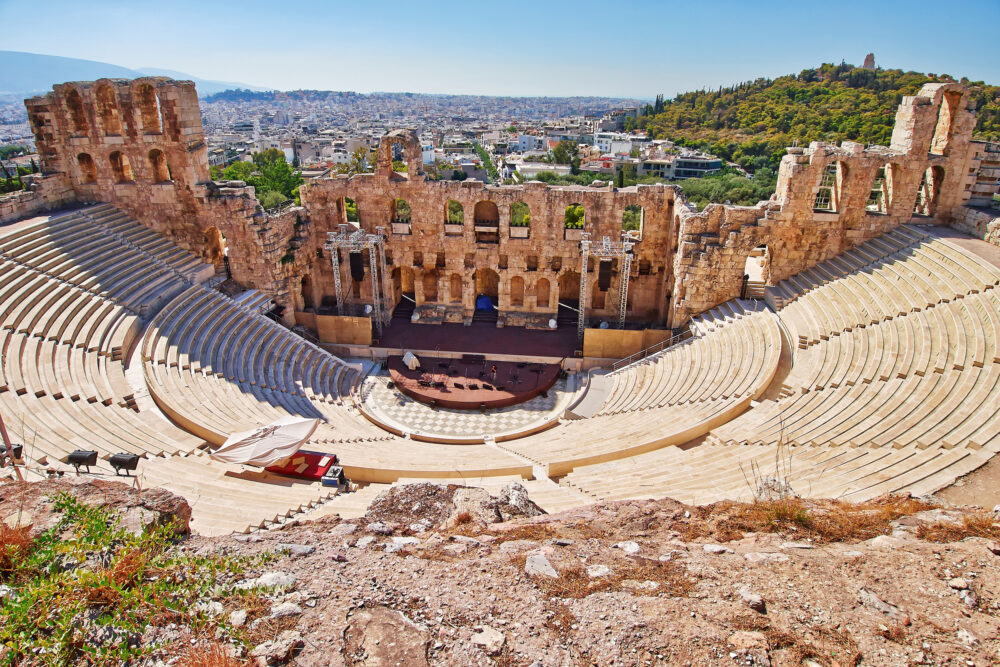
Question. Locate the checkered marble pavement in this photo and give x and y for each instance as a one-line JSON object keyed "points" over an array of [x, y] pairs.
{"points": [[403, 412]]}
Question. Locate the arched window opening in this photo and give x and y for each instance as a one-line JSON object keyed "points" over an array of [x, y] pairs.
{"points": [[88, 170], [520, 214], [350, 210], [107, 110], [216, 249], [542, 289], [486, 217], [431, 285], [756, 273], [575, 217], [947, 116], [455, 288], [826, 200], [486, 214], [632, 218], [158, 163], [307, 294], [927, 194], [121, 168], [149, 108], [400, 211], [878, 198], [454, 214], [77, 114], [517, 291]]}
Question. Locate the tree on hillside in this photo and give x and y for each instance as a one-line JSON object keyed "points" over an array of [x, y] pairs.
{"points": [[567, 152], [751, 123]]}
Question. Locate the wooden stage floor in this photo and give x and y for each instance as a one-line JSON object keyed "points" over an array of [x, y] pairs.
{"points": [[479, 338], [467, 384]]}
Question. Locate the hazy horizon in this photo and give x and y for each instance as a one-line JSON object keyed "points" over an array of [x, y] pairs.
{"points": [[559, 49]]}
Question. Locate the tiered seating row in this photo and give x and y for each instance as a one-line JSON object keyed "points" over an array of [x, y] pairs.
{"points": [[614, 435], [726, 364], [713, 472], [75, 252], [69, 303], [216, 369], [154, 245], [860, 288]]}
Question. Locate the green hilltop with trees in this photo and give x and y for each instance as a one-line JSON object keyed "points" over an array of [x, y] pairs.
{"points": [[753, 122], [275, 180]]}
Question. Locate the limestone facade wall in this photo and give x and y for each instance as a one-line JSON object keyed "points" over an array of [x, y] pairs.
{"points": [[140, 146], [438, 263]]}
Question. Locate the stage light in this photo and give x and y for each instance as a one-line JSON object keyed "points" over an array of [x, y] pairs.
{"points": [[82, 457], [123, 461], [4, 454]]}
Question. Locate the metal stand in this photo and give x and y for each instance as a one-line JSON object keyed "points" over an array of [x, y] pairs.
{"points": [[607, 250], [359, 241], [581, 322]]}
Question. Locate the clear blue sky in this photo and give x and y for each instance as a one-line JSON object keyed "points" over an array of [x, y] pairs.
{"points": [[509, 47]]}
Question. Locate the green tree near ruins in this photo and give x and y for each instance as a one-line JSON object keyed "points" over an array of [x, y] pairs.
{"points": [[239, 171], [632, 217], [456, 215], [520, 215], [574, 217], [567, 152], [358, 163]]}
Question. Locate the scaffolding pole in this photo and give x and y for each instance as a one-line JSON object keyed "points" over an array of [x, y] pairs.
{"points": [[581, 322], [359, 241]]}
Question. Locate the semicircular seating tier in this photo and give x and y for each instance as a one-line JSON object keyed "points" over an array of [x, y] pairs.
{"points": [[216, 368], [73, 291], [671, 397], [894, 385]]}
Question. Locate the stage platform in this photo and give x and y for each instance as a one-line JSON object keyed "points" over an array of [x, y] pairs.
{"points": [[469, 383], [479, 338]]}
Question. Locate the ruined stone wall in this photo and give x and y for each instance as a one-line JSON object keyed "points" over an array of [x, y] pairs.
{"points": [[441, 261], [930, 152], [42, 194], [139, 145]]}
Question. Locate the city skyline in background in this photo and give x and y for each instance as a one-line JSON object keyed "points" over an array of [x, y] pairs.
{"points": [[635, 49]]}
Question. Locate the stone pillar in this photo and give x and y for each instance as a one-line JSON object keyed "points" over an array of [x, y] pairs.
{"points": [[418, 285]]}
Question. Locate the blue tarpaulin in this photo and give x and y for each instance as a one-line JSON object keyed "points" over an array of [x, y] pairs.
{"points": [[484, 302]]}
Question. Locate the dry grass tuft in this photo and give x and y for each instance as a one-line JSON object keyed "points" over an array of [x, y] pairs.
{"points": [[979, 524], [821, 521], [574, 583], [463, 517], [895, 633], [830, 647], [208, 654], [15, 545]]}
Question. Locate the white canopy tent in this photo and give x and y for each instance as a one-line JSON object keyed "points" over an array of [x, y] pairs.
{"points": [[266, 445], [411, 361]]}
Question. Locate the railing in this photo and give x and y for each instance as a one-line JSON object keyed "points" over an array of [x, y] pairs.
{"points": [[652, 349]]}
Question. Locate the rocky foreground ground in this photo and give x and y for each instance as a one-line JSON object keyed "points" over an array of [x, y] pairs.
{"points": [[448, 575]]}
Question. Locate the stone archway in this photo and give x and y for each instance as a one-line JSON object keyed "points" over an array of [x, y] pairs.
{"points": [[542, 289], [430, 284], [487, 283], [569, 286], [411, 155], [215, 246]]}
